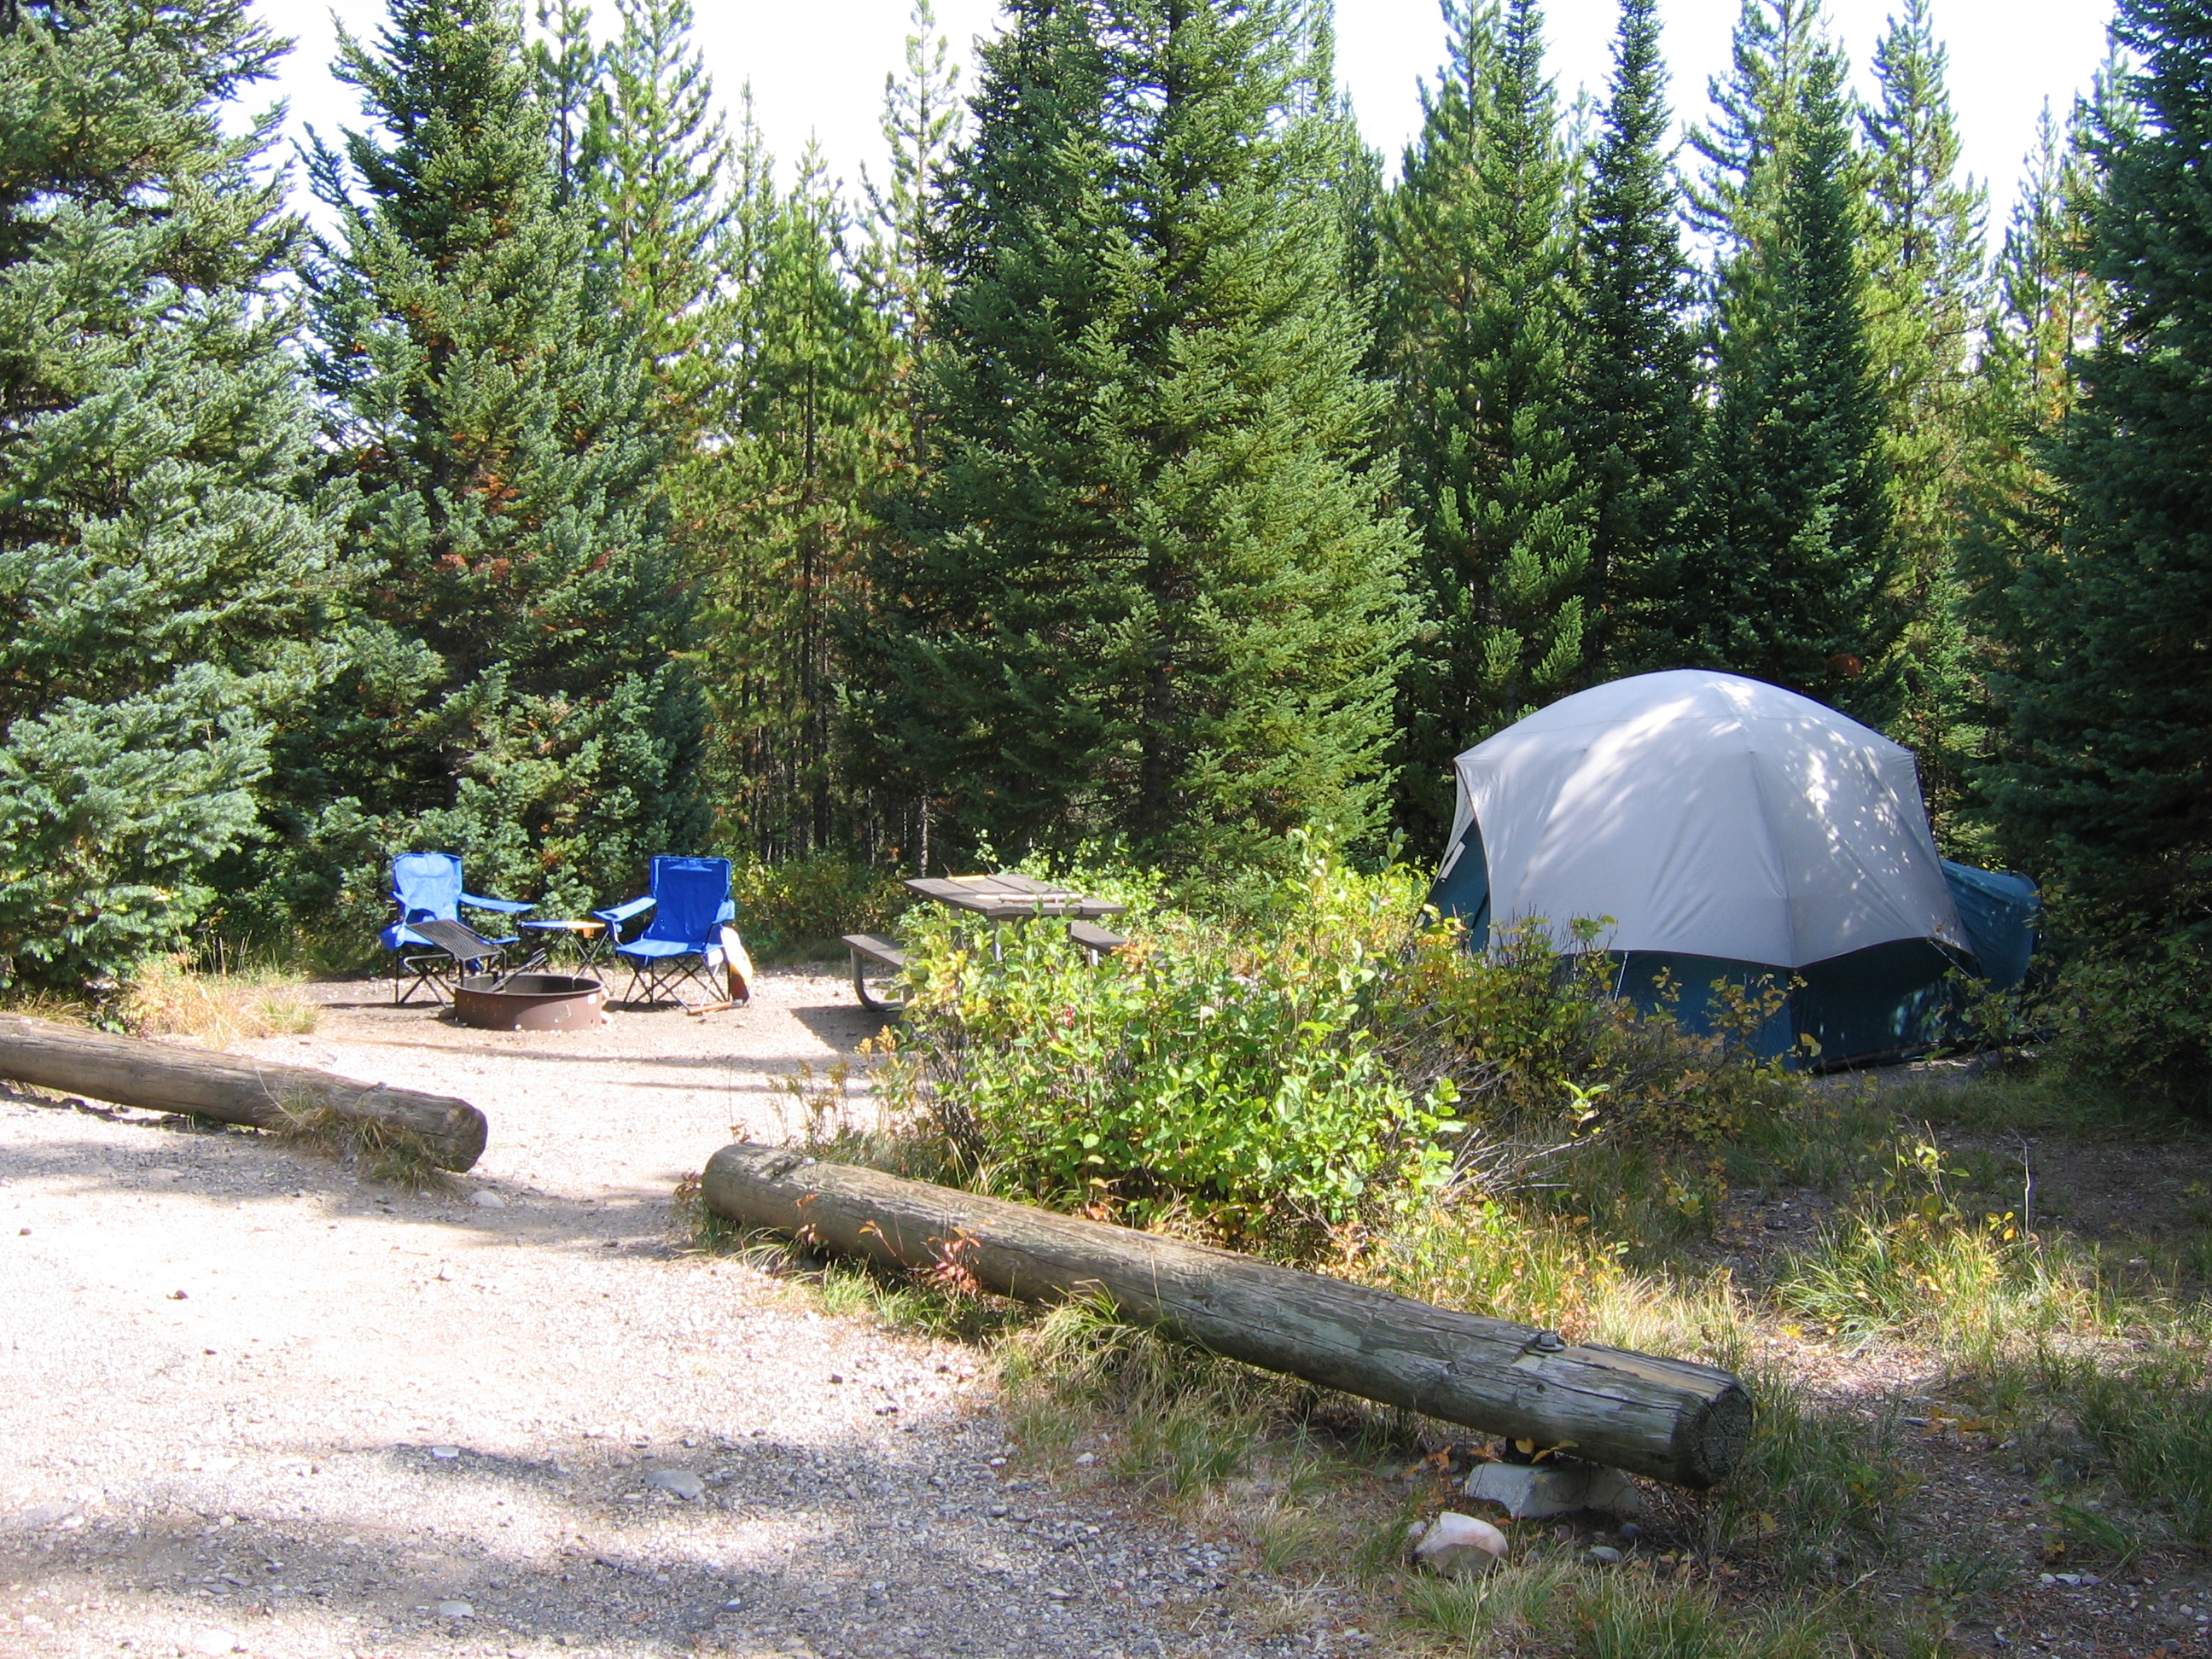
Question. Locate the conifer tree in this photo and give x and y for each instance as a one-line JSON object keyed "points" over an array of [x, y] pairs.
{"points": [[165, 574], [1340, 162], [493, 404], [2109, 698], [1480, 247], [2046, 307], [1144, 589], [1925, 309], [1637, 418], [569, 69], [661, 159], [1788, 578], [1735, 202], [921, 125], [803, 431]]}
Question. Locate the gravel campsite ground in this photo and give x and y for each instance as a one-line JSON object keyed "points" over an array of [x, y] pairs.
{"points": [[252, 1403]]}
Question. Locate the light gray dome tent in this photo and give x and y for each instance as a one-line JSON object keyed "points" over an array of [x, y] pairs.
{"points": [[1733, 830]]}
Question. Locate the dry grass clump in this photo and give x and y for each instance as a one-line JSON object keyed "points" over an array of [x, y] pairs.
{"points": [[168, 997], [385, 1151]]}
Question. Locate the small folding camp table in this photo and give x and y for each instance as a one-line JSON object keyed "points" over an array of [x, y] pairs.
{"points": [[589, 939]]}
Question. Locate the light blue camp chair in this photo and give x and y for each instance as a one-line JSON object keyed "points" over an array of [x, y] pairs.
{"points": [[427, 887], [690, 901]]}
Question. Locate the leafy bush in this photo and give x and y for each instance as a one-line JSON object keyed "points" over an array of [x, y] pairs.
{"points": [[1334, 1056], [2131, 1011], [110, 819], [1536, 1040], [786, 907], [1233, 1077]]}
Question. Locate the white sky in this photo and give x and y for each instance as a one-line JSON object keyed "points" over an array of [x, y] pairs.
{"points": [[817, 67]]}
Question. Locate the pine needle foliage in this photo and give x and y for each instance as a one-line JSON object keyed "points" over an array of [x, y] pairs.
{"points": [[1790, 572], [802, 431], [1144, 589], [166, 574], [1637, 420], [492, 401], [2110, 701], [1482, 332], [1926, 307]]}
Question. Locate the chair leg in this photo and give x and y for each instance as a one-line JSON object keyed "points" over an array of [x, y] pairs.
{"points": [[427, 971]]}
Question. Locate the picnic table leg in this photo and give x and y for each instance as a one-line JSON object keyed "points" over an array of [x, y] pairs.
{"points": [[868, 998]]}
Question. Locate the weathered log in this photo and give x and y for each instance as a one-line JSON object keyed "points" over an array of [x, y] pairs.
{"points": [[154, 1075], [1668, 1419]]}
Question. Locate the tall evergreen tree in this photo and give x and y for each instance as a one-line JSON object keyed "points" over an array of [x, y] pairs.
{"points": [[1788, 578], [1340, 162], [164, 573], [2045, 308], [1925, 311], [570, 72], [1735, 202], [660, 163], [491, 400], [2108, 786], [1483, 336], [921, 125], [1144, 589], [1637, 419], [804, 431]]}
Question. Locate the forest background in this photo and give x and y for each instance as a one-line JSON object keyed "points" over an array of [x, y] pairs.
{"points": [[1130, 474]]}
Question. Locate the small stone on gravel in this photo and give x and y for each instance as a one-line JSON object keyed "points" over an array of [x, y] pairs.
{"points": [[683, 1482], [1604, 1554], [445, 1452], [484, 1198], [456, 1610], [213, 1641]]}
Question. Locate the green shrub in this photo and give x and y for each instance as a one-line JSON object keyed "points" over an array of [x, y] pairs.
{"points": [[1234, 1077], [2131, 1009], [786, 910], [1332, 1054]]}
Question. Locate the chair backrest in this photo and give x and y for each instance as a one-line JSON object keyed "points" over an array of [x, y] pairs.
{"points": [[426, 886], [689, 895]]}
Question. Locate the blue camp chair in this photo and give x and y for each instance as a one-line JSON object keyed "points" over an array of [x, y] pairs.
{"points": [[690, 901], [427, 887]]}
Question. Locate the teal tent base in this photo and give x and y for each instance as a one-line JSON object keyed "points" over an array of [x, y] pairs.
{"points": [[1887, 1002]]}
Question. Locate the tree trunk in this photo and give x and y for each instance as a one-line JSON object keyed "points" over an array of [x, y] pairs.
{"points": [[159, 1077], [1668, 1419]]}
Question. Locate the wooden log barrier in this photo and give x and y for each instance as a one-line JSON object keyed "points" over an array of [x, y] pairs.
{"points": [[1669, 1418], [160, 1077]]}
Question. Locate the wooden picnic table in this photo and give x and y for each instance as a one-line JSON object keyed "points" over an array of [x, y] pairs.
{"points": [[1012, 898]]}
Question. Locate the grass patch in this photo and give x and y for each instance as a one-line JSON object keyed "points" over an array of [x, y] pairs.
{"points": [[167, 997], [383, 1150], [1821, 1490], [1615, 1613], [2154, 1423], [2035, 1099]]}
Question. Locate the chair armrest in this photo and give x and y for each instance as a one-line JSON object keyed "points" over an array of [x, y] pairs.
{"points": [[622, 912], [510, 906], [728, 912]]}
